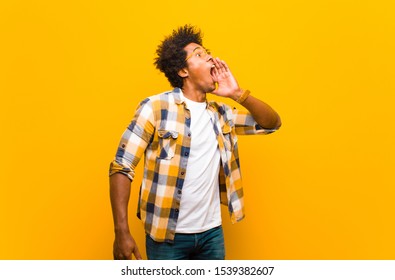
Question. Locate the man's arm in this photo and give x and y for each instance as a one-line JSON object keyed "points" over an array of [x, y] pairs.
{"points": [[263, 114], [131, 148], [124, 244]]}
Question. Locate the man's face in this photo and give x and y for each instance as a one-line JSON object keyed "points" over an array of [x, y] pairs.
{"points": [[199, 67]]}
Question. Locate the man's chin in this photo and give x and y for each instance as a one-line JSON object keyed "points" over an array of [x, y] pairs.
{"points": [[211, 88]]}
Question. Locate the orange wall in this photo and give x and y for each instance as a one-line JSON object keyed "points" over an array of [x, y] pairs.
{"points": [[72, 73]]}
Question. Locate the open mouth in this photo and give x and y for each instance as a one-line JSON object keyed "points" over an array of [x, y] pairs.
{"points": [[212, 70]]}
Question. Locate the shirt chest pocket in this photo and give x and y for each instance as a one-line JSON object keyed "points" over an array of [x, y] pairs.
{"points": [[167, 143], [229, 136]]}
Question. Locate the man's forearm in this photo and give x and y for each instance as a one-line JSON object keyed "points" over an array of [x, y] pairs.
{"points": [[263, 114], [119, 195]]}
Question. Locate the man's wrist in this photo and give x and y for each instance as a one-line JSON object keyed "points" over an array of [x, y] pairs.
{"points": [[121, 229], [243, 96], [237, 94]]}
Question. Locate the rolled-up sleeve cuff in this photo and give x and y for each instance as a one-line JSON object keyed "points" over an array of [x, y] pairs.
{"points": [[115, 167], [260, 130], [253, 130]]}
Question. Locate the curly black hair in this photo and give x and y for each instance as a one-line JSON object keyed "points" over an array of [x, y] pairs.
{"points": [[171, 54]]}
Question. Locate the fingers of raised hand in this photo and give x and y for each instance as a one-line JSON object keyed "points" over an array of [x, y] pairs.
{"points": [[220, 66], [225, 66]]}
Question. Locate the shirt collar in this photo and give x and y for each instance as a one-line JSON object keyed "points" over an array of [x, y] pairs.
{"points": [[179, 97]]}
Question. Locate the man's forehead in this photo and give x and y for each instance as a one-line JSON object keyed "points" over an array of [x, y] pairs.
{"points": [[192, 47]]}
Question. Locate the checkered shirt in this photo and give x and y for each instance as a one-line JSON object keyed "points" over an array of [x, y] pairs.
{"points": [[160, 130]]}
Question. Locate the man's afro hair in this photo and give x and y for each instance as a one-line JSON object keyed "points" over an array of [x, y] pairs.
{"points": [[171, 54]]}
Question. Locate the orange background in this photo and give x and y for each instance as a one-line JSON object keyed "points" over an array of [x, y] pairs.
{"points": [[72, 73]]}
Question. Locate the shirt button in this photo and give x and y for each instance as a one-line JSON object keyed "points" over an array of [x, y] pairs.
{"points": [[182, 173], [179, 191], [189, 135], [176, 210], [186, 153]]}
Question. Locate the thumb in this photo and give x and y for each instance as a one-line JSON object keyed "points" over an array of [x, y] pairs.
{"points": [[215, 91], [137, 254]]}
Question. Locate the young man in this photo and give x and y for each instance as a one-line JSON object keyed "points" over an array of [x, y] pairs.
{"points": [[191, 159]]}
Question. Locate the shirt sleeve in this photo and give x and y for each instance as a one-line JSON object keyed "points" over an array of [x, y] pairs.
{"points": [[246, 125], [134, 141]]}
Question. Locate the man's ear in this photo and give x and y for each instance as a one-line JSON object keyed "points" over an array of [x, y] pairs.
{"points": [[183, 73]]}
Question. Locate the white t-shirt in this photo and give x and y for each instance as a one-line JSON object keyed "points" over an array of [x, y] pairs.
{"points": [[200, 203]]}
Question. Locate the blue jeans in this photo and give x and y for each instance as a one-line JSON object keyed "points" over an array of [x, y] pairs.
{"points": [[208, 245]]}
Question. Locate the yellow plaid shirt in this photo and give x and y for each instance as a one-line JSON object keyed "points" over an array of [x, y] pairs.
{"points": [[160, 130]]}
